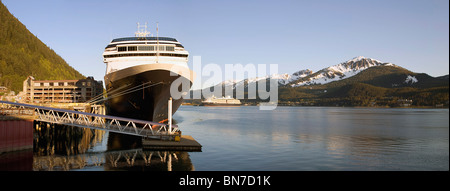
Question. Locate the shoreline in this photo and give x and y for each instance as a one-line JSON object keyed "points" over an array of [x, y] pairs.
{"points": [[386, 107]]}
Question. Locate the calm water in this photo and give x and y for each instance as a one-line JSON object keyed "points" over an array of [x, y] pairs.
{"points": [[245, 138], [318, 138]]}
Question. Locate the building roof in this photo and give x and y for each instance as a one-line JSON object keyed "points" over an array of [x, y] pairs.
{"points": [[56, 80]]}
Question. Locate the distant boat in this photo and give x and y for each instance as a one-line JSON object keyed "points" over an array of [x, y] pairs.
{"points": [[224, 102]]}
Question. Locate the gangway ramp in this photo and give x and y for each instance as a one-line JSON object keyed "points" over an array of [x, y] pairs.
{"points": [[146, 129]]}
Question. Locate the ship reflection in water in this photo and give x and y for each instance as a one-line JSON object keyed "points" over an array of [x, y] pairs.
{"points": [[59, 147]]}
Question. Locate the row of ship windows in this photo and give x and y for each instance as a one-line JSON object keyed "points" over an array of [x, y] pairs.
{"points": [[144, 48], [146, 43], [146, 54]]}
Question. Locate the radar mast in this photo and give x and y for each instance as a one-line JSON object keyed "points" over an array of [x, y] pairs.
{"points": [[142, 30]]}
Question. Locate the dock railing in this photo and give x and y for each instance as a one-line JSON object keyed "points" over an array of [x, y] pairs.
{"points": [[147, 129]]}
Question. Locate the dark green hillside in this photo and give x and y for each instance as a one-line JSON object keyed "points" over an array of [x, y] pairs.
{"points": [[23, 54], [443, 77], [358, 90]]}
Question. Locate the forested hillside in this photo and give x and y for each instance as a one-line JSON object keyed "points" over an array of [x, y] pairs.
{"points": [[23, 54]]}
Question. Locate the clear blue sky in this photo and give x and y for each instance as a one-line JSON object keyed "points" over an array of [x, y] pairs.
{"points": [[295, 34]]}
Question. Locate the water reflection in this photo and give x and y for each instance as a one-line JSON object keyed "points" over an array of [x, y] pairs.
{"points": [[148, 160], [51, 139], [116, 160], [59, 147], [118, 141]]}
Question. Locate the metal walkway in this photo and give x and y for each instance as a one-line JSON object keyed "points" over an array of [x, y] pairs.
{"points": [[93, 121]]}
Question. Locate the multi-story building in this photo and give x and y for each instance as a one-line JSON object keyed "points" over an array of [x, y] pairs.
{"points": [[61, 91]]}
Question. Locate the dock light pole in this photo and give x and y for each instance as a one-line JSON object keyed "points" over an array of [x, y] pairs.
{"points": [[169, 115]]}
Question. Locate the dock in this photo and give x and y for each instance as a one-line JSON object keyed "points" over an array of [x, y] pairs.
{"points": [[115, 124], [186, 143], [155, 136]]}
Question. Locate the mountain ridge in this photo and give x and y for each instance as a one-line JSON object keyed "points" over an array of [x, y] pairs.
{"points": [[23, 54], [350, 82], [326, 75], [340, 71]]}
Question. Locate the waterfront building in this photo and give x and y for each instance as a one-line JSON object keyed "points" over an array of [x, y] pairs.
{"points": [[60, 91], [3, 89]]}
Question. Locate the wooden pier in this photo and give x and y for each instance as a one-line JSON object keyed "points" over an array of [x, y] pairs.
{"points": [[186, 143]]}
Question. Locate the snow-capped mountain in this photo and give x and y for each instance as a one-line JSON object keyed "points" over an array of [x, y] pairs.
{"points": [[286, 78], [308, 77], [338, 72], [282, 78]]}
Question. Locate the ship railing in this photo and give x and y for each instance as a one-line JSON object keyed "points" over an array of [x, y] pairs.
{"points": [[116, 124]]}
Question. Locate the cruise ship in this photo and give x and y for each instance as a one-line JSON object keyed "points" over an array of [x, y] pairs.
{"points": [[139, 73], [224, 101]]}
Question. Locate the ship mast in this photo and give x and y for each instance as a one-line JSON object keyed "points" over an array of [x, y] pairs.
{"points": [[141, 30], [157, 44]]}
